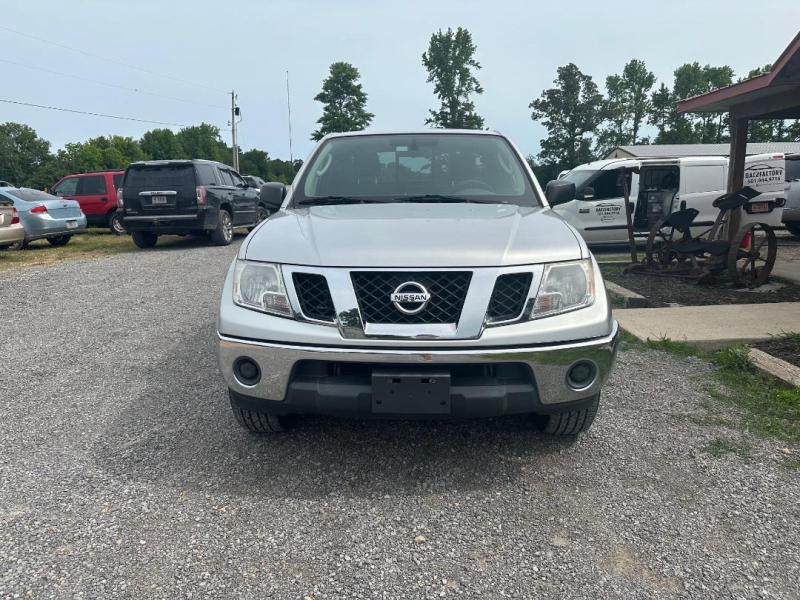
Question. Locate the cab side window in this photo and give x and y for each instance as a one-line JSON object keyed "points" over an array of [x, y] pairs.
{"points": [[609, 185], [67, 187], [226, 177], [237, 179], [92, 185], [117, 180]]}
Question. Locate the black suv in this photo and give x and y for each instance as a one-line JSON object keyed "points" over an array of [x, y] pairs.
{"points": [[186, 197]]}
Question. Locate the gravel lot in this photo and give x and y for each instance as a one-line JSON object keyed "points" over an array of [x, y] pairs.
{"points": [[123, 473]]}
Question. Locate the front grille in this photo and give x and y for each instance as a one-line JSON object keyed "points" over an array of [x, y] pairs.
{"points": [[314, 296], [448, 291], [508, 298]]}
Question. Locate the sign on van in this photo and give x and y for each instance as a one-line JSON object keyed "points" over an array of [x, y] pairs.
{"points": [[763, 175]]}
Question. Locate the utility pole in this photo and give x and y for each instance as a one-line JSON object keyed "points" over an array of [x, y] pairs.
{"points": [[234, 114], [289, 108]]}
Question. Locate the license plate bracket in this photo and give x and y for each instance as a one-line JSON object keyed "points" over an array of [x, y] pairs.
{"points": [[410, 391]]}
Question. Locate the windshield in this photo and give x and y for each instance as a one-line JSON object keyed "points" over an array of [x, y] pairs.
{"points": [[29, 195], [579, 176], [420, 167], [166, 176]]}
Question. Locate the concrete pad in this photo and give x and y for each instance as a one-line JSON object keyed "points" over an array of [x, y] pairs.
{"points": [[787, 269], [711, 327]]}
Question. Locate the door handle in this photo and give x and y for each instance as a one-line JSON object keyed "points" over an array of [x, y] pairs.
{"points": [[104, 199]]}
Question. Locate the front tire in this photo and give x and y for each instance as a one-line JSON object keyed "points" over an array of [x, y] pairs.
{"points": [[223, 234], [262, 214], [59, 240], [256, 422], [115, 224], [144, 239], [568, 423]]}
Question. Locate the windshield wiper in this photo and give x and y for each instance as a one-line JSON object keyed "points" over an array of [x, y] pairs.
{"points": [[327, 200], [444, 198]]}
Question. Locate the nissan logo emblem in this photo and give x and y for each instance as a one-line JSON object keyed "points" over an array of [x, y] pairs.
{"points": [[410, 298]]}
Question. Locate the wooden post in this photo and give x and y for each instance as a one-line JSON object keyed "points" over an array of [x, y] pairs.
{"points": [[629, 216], [738, 152]]}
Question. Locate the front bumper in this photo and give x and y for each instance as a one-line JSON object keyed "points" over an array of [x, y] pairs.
{"points": [[202, 220], [282, 391], [11, 234]]}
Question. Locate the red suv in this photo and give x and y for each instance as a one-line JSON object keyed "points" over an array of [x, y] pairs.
{"points": [[97, 194]]}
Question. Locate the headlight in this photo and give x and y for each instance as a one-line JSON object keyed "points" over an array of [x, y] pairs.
{"points": [[565, 287], [259, 286]]}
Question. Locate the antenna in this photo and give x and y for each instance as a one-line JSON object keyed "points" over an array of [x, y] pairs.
{"points": [[289, 109]]}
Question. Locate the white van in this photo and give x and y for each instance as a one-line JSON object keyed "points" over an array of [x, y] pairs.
{"points": [[664, 186]]}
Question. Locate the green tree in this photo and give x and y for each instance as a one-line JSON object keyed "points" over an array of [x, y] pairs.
{"points": [[283, 170], [255, 162], [95, 154], [636, 83], [692, 79], [662, 105], [626, 106], [162, 144], [450, 61], [571, 112], [617, 131], [22, 152], [204, 141], [344, 102]]}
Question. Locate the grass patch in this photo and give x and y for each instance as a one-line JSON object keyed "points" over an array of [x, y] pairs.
{"points": [[94, 243], [791, 337], [720, 447], [627, 341], [617, 301], [679, 348]]}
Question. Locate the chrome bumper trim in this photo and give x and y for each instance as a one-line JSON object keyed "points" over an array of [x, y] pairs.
{"points": [[160, 218], [549, 363]]}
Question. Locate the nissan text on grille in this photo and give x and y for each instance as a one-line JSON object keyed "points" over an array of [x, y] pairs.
{"points": [[415, 275]]}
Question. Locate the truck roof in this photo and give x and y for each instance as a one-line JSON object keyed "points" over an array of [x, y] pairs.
{"points": [[414, 132], [175, 161]]}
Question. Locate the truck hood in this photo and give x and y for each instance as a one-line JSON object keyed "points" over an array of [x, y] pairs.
{"points": [[414, 235]]}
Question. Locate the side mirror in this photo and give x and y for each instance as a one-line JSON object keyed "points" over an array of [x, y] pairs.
{"points": [[587, 193], [272, 195], [559, 191]]}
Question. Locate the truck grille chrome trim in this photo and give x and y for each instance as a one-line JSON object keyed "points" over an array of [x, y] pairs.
{"points": [[444, 292], [509, 296], [314, 296]]}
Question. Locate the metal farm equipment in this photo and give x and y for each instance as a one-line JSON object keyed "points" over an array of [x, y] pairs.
{"points": [[748, 257]]}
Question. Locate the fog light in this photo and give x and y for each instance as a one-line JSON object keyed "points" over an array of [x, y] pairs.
{"points": [[581, 375], [246, 371]]}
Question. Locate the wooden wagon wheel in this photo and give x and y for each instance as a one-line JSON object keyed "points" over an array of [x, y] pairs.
{"points": [[659, 253], [753, 265]]}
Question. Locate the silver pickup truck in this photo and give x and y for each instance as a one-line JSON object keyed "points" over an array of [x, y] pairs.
{"points": [[415, 275]]}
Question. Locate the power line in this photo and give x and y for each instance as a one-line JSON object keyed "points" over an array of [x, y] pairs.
{"points": [[111, 60], [82, 112], [113, 85]]}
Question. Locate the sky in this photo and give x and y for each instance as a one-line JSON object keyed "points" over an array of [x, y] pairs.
{"points": [[248, 45]]}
